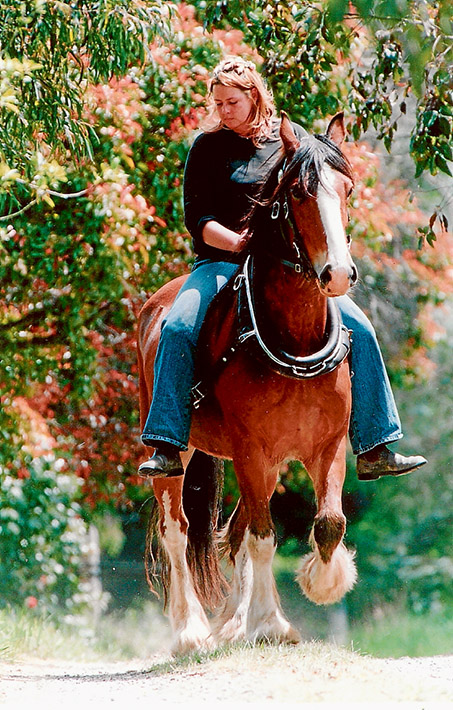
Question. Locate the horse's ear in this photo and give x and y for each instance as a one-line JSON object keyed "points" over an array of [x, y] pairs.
{"points": [[289, 138], [336, 130]]}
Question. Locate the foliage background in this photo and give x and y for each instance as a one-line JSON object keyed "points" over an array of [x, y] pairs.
{"points": [[92, 223]]}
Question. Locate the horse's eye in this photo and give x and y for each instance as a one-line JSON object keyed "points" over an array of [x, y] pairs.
{"points": [[296, 192]]}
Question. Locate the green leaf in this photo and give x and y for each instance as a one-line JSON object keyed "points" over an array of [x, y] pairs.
{"points": [[431, 237], [337, 10], [442, 164]]}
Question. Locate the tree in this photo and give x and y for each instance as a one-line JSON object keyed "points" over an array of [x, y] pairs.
{"points": [[380, 58], [74, 273], [50, 53]]}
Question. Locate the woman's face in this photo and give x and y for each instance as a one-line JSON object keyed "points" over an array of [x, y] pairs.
{"points": [[234, 107]]}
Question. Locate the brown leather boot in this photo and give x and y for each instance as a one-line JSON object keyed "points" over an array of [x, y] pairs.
{"points": [[380, 461]]}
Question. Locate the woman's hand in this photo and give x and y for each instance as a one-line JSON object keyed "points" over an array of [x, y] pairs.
{"points": [[220, 237]]}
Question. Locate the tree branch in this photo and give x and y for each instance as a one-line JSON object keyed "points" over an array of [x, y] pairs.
{"points": [[21, 211], [36, 317]]}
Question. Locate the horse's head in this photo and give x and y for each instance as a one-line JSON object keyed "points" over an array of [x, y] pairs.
{"points": [[316, 184]]}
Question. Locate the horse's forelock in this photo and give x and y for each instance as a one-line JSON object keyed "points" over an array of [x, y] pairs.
{"points": [[305, 167], [307, 164]]}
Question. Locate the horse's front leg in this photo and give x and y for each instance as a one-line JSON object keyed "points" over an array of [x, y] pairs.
{"points": [[231, 623], [188, 620], [327, 573], [265, 618]]}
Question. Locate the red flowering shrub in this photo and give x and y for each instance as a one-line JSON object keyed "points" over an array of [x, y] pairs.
{"points": [[74, 274]]}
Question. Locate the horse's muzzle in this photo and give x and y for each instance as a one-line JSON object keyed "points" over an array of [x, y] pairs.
{"points": [[337, 281]]}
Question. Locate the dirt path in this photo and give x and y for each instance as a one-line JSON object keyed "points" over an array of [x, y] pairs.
{"points": [[266, 676]]}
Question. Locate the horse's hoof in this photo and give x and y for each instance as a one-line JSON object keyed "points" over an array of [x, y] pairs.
{"points": [[327, 583], [289, 638], [230, 631], [185, 646], [194, 636], [275, 630]]}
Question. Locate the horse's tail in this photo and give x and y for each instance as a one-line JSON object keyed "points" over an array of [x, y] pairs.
{"points": [[202, 491], [232, 535], [157, 567], [201, 502]]}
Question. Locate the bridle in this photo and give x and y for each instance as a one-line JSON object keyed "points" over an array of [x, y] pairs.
{"points": [[282, 210]]}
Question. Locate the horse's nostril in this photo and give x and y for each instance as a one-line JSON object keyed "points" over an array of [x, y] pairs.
{"points": [[354, 275], [326, 275]]}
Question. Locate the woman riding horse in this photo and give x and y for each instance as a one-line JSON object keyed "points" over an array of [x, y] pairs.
{"points": [[225, 168]]}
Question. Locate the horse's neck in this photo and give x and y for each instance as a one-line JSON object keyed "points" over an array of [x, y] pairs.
{"points": [[293, 310]]}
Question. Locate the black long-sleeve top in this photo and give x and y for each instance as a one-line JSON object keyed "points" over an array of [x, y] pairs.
{"points": [[223, 172]]}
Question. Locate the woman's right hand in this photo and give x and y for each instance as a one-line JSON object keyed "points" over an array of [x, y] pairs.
{"points": [[220, 237]]}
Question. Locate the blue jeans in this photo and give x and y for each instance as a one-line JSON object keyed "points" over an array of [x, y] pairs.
{"points": [[374, 417]]}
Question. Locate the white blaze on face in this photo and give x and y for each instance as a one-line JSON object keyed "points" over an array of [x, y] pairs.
{"points": [[337, 254]]}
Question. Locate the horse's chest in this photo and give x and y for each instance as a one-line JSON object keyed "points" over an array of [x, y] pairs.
{"points": [[258, 397]]}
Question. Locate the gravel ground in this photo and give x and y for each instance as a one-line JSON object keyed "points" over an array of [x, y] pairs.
{"points": [[284, 677]]}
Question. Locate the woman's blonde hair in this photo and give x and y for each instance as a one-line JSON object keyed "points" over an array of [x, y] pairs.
{"points": [[242, 74]]}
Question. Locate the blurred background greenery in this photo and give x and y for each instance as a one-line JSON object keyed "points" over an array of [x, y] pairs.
{"points": [[98, 108]]}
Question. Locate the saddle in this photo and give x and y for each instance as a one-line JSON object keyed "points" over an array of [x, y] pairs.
{"points": [[244, 333]]}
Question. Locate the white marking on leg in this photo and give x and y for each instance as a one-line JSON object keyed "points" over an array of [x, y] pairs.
{"points": [[266, 619], [231, 623], [188, 620], [327, 583]]}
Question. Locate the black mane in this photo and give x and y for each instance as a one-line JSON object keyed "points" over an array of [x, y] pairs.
{"points": [[303, 170]]}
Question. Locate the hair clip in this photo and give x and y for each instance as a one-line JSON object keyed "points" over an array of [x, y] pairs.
{"points": [[237, 64]]}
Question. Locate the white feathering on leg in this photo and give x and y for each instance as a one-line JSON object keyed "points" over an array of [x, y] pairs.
{"points": [[327, 583]]}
